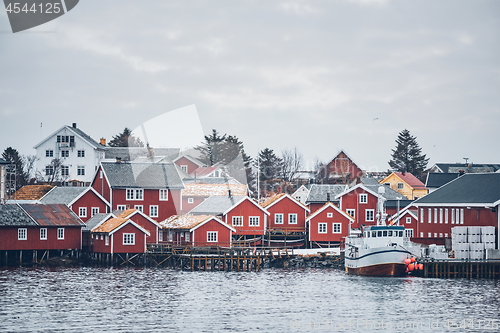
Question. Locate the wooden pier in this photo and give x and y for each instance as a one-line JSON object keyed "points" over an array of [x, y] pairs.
{"points": [[489, 269]]}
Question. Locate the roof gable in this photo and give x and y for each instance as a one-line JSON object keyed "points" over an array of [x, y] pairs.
{"points": [[191, 159], [142, 175], [438, 179], [319, 193], [78, 132], [251, 201], [326, 206], [278, 197], [216, 220], [215, 205]]}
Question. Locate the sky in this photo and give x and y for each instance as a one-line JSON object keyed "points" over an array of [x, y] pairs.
{"points": [[317, 75]]}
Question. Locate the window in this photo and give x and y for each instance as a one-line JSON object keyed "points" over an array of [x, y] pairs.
{"points": [[421, 215], [160, 236], [421, 234], [435, 235], [461, 215], [440, 235], [237, 221], [60, 233], [64, 153], [329, 214], [440, 215], [292, 218], [409, 233], [121, 207], [49, 153], [278, 218], [387, 184], [22, 234], [363, 198], [184, 168], [435, 215], [351, 212], [138, 207], [337, 228], [187, 236], [139, 194], [134, 194], [254, 221], [446, 235], [430, 214], [190, 200], [64, 170], [82, 212], [211, 236], [153, 211], [446, 216], [81, 153], [408, 220], [128, 239], [452, 216], [321, 228], [95, 210], [106, 240], [49, 170], [370, 215], [80, 170], [429, 235], [401, 186], [163, 195], [43, 233]]}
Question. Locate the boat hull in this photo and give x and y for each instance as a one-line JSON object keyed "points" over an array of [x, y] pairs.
{"points": [[381, 261], [392, 269]]}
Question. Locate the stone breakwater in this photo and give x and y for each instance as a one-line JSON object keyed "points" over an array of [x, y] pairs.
{"points": [[316, 261]]}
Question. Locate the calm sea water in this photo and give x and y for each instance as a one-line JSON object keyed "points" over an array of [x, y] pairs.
{"points": [[272, 300]]}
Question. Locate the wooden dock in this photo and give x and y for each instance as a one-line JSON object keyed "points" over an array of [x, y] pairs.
{"points": [[489, 269]]}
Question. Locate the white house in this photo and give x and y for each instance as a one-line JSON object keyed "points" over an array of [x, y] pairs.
{"points": [[301, 194], [79, 153]]}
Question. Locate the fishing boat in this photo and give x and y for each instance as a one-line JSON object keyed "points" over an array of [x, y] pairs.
{"points": [[379, 250]]}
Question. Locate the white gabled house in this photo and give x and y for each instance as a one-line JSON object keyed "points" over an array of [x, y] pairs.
{"points": [[79, 153]]}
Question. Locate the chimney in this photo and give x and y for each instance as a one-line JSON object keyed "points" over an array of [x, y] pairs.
{"points": [[328, 197], [74, 125], [151, 155], [118, 160], [229, 193], [102, 141]]}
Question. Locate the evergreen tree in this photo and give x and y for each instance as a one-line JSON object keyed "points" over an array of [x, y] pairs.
{"points": [[16, 175], [125, 139], [269, 166], [407, 156], [212, 150]]}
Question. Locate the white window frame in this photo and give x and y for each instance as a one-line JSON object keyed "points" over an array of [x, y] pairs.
{"points": [[278, 218], [134, 194], [429, 211], [81, 153], [184, 168], [461, 216], [441, 215], [43, 233], [60, 233], [64, 153], [163, 193], [363, 198], [82, 211], [128, 238], [429, 235], [121, 207], [153, 210], [353, 211], [409, 233], [64, 170], [80, 170], [435, 215], [372, 211], [292, 218], [322, 228], [212, 236], [106, 240], [95, 210], [440, 235], [400, 186], [329, 215], [254, 221], [139, 208], [336, 228], [453, 216], [160, 236], [421, 215], [421, 234], [22, 233], [446, 216], [408, 220], [237, 221], [190, 200], [49, 153]]}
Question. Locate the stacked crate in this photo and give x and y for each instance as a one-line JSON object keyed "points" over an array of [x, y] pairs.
{"points": [[472, 242], [459, 243]]}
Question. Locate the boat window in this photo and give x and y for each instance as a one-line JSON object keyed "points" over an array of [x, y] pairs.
{"points": [[367, 234], [401, 233], [379, 234], [390, 233], [374, 234], [385, 233]]}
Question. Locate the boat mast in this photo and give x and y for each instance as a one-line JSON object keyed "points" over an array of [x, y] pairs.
{"points": [[381, 215]]}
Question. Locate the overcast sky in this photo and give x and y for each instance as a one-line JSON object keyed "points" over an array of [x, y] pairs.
{"points": [[319, 75]]}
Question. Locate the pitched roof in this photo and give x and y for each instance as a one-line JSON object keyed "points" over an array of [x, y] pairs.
{"points": [[96, 220], [14, 215], [116, 223], [410, 179], [438, 179], [389, 193], [32, 192], [190, 158], [203, 189], [325, 206], [213, 180], [215, 205], [78, 132], [369, 181], [131, 153], [471, 188], [277, 197], [203, 171], [318, 193], [457, 167], [142, 175], [52, 215], [63, 195], [187, 221]]}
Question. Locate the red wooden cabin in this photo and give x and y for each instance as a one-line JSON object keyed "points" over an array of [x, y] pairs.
{"points": [[328, 226], [145, 222], [247, 217], [119, 235], [187, 163], [360, 203], [286, 213]]}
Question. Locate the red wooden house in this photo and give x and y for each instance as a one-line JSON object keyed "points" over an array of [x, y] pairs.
{"points": [[341, 170], [360, 202], [188, 164], [286, 214], [145, 222], [153, 188], [39, 227], [197, 230], [119, 235], [407, 218], [248, 218], [328, 226], [83, 201]]}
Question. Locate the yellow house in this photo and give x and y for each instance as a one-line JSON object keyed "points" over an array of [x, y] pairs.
{"points": [[406, 184]]}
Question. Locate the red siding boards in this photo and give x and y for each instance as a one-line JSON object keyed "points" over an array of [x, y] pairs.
{"points": [[148, 224], [286, 205], [191, 166], [188, 206], [341, 167], [334, 224], [115, 239], [440, 225], [246, 208], [9, 238], [101, 185], [364, 210], [90, 199], [200, 233]]}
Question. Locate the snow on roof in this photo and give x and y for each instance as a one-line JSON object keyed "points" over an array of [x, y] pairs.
{"points": [[184, 221], [272, 199], [201, 189]]}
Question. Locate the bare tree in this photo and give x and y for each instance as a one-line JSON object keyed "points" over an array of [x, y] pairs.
{"points": [[54, 173], [29, 168], [292, 163]]}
